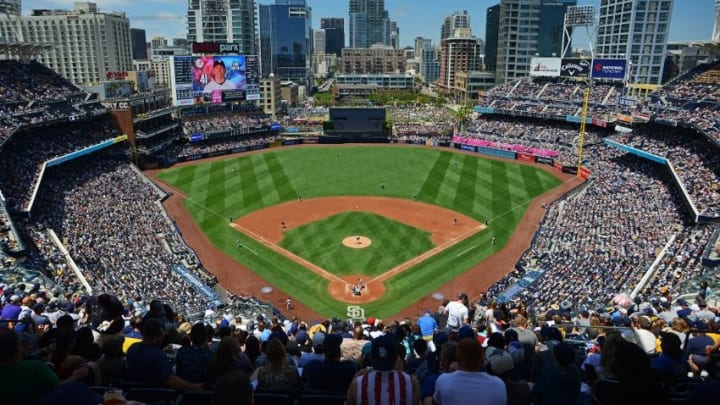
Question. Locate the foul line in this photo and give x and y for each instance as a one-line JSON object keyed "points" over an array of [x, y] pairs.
{"points": [[466, 250], [432, 252], [309, 265], [522, 204]]}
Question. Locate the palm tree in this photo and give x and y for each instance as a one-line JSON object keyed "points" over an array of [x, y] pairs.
{"points": [[462, 115]]}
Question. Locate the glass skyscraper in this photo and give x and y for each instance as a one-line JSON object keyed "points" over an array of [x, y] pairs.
{"points": [[369, 23], [525, 28], [286, 40], [223, 21]]}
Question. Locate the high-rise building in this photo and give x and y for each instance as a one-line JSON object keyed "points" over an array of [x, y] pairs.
{"points": [[334, 34], [223, 21], [137, 38], [179, 42], [421, 44], [369, 23], [319, 41], [638, 31], [492, 29], [429, 59], [458, 19], [87, 43], [527, 28], [158, 43], [460, 52], [394, 35], [286, 40], [377, 59]]}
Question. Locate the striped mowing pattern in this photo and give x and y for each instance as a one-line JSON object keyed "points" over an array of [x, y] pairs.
{"points": [[483, 189]]}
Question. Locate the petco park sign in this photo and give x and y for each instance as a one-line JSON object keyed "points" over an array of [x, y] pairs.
{"points": [[216, 47]]}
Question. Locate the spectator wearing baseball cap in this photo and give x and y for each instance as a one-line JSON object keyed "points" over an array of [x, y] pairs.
{"points": [[318, 353], [384, 384], [332, 374]]}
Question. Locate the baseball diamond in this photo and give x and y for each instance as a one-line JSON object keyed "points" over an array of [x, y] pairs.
{"points": [[292, 244]]}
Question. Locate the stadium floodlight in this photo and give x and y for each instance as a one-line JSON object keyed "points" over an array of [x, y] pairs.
{"points": [[580, 16], [577, 16], [11, 7]]}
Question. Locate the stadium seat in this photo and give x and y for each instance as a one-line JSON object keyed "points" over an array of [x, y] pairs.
{"points": [[273, 398], [195, 398], [159, 396], [321, 398]]}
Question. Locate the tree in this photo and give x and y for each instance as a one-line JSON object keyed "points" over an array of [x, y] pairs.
{"points": [[462, 115]]}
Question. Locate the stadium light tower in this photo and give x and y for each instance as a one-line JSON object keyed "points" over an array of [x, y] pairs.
{"points": [[578, 16], [716, 28], [13, 43]]}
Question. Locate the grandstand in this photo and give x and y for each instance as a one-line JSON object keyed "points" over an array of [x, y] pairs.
{"points": [[78, 219]]}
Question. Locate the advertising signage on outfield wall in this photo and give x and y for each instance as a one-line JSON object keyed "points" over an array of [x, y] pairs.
{"points": [[609, 68], [575, 67], [548, 67]]}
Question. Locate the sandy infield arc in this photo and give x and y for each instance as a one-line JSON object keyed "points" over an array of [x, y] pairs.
{"points": [[447, 227]]}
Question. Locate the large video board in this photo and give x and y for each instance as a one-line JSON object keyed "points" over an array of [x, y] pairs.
{"points": [[214, 79]]}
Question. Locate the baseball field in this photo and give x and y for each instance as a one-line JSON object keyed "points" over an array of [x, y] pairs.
{"points": [[313, 220]]}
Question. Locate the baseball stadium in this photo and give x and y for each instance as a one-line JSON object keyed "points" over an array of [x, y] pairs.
{"points": [[551, 197]]}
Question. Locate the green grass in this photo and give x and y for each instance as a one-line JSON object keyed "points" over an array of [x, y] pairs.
{"points": [[480, 188], [392, 244]]}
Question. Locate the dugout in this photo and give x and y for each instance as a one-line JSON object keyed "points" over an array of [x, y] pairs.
{"points": [[347, 125]]}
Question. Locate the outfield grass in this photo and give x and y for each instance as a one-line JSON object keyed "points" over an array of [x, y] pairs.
{"points": [[480, 188], [392, 244]]}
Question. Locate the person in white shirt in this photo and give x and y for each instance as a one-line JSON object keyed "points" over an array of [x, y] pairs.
{"points": [[219, 81], [646, 338], [457, 314]]}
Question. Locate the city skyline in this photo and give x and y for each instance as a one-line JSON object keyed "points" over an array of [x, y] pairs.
{"points": [[691, 21]]}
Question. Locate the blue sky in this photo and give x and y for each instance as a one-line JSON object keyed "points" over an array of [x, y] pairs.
{"points": [[692, 20]]}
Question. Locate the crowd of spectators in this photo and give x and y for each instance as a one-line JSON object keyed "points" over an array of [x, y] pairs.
{"points": [[31, 94], [234, 122], [558, 137], [418, 122], [602, 239], [695, 159], [556, 97], [682, 261], [23, 155], [658, 349], [187, 149], [32, 81], [108, 218], [691, 99]]}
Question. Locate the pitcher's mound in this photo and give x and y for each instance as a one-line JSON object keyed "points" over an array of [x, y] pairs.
{"points": [[357, 242]]}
